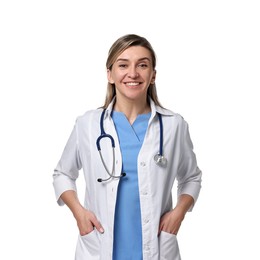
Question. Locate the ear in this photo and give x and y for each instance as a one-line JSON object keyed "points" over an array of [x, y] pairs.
{"points": [[153, 77], [109, 77]]}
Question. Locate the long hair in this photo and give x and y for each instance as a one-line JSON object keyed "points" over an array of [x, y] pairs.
{"points": [[116, 49]]}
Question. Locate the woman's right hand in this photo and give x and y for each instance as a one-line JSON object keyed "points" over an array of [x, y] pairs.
{"points": [[87, 221]]}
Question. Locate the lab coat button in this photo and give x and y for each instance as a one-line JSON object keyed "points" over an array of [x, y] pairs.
{"points": [[146, 221], [144, 192], [143, 164], [147, 248]]}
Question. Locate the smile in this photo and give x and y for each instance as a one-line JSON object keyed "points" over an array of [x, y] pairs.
{"points": [[132, 83]]}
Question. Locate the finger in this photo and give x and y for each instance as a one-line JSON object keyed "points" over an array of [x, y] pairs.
{"points": [[85, 228], [160, 229], [97, 225]]}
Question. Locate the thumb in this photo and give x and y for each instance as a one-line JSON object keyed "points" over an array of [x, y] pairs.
{"points": [[97, 225]]}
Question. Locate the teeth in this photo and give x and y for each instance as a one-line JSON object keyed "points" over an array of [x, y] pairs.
{"points": [[132, 83]]}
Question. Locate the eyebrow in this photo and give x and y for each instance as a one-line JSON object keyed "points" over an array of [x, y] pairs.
{"points": [[141, 59]]}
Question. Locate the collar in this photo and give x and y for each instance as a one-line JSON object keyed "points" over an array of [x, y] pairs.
{"points": [[157, 109], [154, 109], [110, 107]]}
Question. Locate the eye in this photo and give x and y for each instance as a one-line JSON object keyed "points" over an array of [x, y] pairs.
{"points": [[143, 65], [122, 65]]}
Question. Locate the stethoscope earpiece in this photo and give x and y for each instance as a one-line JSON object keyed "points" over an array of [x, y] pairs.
{"points": [[123, 174]]}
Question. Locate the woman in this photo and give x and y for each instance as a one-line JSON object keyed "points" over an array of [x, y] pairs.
{"points": [[131, 150]]}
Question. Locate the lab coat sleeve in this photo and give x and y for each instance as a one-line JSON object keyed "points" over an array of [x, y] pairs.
{"points": [[67, 169], [189, 174]]}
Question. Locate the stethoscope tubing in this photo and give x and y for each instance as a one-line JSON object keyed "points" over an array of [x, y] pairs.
{"points": [[159, 158], [103, 134], [161, 135]]}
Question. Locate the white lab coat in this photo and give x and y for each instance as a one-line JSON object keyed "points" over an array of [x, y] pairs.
{"points": [[155, 182]]}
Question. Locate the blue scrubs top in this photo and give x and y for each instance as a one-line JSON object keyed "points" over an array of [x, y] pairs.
{"points": [[127, 227]]}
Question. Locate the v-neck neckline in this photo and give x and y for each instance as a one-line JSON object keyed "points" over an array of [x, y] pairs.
{"points": [[135, 130], [139, 116]]}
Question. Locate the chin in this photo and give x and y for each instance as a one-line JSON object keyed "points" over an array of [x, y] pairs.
{"points": [[135, 96]]}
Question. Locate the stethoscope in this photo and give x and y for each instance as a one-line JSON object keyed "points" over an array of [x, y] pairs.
{"points": [[158, 158]]}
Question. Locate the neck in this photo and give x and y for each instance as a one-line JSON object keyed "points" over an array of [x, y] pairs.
{"points": [[132, 109]]}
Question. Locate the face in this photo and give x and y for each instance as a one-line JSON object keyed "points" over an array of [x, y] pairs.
{"points": [[132, 73]]}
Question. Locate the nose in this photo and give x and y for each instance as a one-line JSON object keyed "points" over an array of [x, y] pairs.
{"points": [[133, 73]]}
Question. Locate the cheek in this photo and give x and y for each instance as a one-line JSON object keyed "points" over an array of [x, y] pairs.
{"points": [[118, 76]]}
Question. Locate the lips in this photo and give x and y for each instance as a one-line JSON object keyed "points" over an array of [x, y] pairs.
{"points": [[132, 84]]}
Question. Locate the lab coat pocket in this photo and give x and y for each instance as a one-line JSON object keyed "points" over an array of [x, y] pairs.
{"points": [[88, 247], [168, 245]]}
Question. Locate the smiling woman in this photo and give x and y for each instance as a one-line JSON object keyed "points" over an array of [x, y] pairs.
{"points": [[117, 49], [128, 210], [131, 74]]}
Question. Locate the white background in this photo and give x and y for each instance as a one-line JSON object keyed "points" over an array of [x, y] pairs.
{"points": [[52, 69]]}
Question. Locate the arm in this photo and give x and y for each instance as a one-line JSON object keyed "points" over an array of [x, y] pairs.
{"points": [[189, 185], [86, 220], [64, 181], [171, 221]]}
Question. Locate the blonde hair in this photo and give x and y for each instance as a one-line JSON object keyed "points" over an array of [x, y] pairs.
{"points": [[116, 49]]}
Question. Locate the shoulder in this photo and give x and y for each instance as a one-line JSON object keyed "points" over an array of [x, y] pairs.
{"points": [[170, 115], [173, 120], [89, 117], [90, 113]]}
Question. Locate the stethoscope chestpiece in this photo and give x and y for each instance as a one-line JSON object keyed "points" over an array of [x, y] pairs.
{"points": [[160, 160]]}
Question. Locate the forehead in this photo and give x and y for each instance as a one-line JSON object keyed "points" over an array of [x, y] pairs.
{"points": [[135, 53]]}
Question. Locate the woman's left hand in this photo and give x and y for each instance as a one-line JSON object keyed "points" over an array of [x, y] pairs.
{"points": [[171, 221]]}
